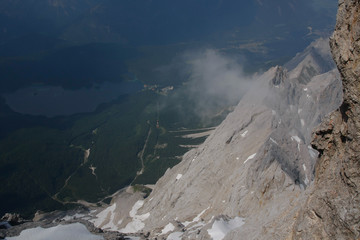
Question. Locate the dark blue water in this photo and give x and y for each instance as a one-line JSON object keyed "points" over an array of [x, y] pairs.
{"points": [[53, 101]]}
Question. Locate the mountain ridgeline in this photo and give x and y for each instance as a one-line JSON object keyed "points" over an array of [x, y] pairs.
{"points": [[283, 165], [251, 173]]}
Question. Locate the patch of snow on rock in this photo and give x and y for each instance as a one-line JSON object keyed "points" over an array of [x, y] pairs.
{"points": [[302, 122], [75, 231], [250, 157], [244, 133], [271, 139], [296, 138], [137, 220], [168, 228], [221, 227], [105, 215], [76, 216], [196, 219]]}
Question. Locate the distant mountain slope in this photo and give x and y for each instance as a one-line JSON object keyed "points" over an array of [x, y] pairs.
{"points": [[20, 18], [160, 21], [254, 166]]}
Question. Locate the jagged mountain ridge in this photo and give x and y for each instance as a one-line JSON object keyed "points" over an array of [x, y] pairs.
{"points": [[260, 157], [332, 208]]}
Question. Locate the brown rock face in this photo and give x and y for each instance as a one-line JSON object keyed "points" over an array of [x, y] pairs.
{"points": [[333, 207]]}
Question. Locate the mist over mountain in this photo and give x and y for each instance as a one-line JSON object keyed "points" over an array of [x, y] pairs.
{"points": [[259, 158], [97, 90]]}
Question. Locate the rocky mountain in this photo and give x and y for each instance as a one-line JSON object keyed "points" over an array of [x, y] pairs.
{"points": [[253, 171], [264, 173], [332, 208]]}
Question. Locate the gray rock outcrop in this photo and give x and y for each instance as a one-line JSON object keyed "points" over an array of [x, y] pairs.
{"points": [[332, 210]]}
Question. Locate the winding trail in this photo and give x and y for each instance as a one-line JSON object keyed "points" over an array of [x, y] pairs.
{"points": [[141, 155], [55, 196]]}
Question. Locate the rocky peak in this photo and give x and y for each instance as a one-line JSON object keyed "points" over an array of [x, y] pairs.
{"points": [[280, 76], [259, 158], [332, 210]]}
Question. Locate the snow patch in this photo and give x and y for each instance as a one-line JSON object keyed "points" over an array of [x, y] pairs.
{"points": [[244, 133], [107, 214], [168, 228], [221, 227], [71, 217], [250, 157], [137, 220], [306, 181], [75, 231], [296, 138], [305, 89], [304, 167], [179, 176], [302, 121], [274, 141], [196, 219]]}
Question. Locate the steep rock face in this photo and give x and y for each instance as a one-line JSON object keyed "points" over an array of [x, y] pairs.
{"points": [[333, 207], [257, 163], [248, 179]]}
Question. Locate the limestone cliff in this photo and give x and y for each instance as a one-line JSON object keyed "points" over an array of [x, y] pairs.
{"points": [[333, 207], [250, 177], [258, 175]]}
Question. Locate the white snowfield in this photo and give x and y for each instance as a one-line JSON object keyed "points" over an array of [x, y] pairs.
{"points": [[75, 231], [137, 220], [102, 216], [221, 227]]}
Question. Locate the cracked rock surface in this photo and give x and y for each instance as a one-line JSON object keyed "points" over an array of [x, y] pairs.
{"points": [[332, 210]]}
